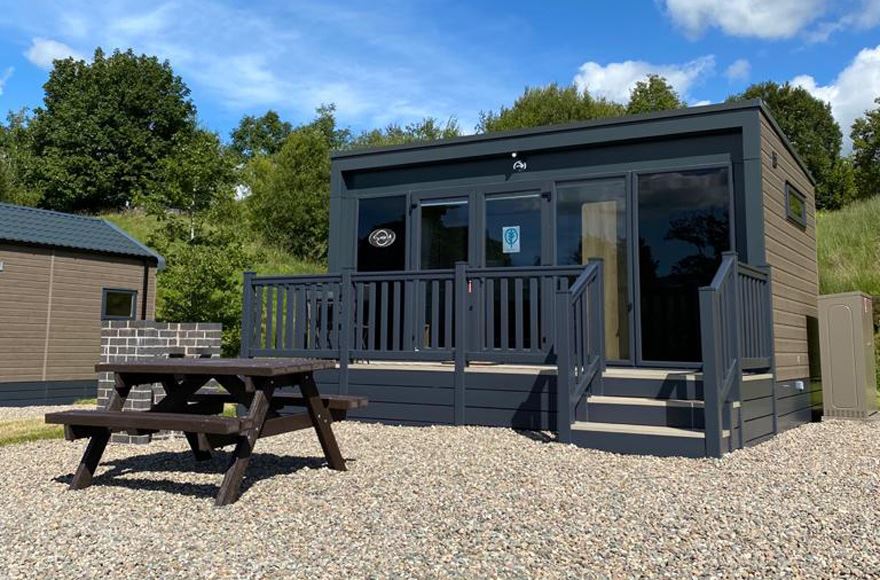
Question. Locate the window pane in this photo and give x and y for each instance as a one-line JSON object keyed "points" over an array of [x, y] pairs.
{"points": [[591, 223], [684, 226], [382, 234], [119, 304], [513, 231], [444, 234]]}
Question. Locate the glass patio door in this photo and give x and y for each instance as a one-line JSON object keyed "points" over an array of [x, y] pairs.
{"points": [[592, 221], [684, 225], [443, 232]]}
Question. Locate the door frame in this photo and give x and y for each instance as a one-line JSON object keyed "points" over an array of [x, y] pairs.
{"points": [[639, 360], [420, 197], [544, 191]]}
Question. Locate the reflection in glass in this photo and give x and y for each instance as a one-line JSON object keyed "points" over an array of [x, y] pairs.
{"points": [[374, 215], [506, 214], [591, 223], [444, 234], [684, 226]]}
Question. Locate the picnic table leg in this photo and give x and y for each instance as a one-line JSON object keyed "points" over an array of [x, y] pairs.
{"points": [[98, 442], [322, 421], [199, 445], [241, 456]]}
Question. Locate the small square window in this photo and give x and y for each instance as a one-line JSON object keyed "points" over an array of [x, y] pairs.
{"points": [[118, 304], [795, 206]]}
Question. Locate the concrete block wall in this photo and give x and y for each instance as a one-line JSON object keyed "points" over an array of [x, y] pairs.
{"points": [[129, 340]]}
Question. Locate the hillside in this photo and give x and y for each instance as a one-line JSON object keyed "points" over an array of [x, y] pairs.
{"points": [[271, 260], [849, 248]]}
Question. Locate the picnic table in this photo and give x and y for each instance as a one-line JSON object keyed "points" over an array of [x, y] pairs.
{"points": [[262, 386]]}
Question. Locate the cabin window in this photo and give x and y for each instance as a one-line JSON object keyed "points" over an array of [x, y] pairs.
{"points": [[382, 234], [795, 206], [118, 304]]}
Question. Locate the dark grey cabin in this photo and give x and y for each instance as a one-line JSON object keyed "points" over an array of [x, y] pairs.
{"points": [[644, 284]]}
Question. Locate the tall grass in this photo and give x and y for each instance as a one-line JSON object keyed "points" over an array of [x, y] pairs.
{"points": [[849, 248]]}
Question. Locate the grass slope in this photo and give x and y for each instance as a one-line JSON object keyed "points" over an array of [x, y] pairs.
{"points": [[849, 248], [272, 260]]}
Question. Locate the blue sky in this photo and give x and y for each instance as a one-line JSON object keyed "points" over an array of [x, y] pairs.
{"points": [[396, 61]]}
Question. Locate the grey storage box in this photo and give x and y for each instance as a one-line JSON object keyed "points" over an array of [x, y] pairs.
{"points": [[846, 335]]}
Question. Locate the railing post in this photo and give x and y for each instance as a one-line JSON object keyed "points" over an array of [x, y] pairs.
{"points": [[346, 303], [461, 314], [247, 309], [598, 322], [711, 341], [771, 338], [562, 346]]}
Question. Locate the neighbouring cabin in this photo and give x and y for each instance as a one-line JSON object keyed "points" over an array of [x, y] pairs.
{"points": [[61, 275], [640, 284]]}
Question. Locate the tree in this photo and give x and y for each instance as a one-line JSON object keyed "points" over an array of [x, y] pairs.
{"points": [[548, 105], [428, 129], [809, 125], [193, 179], [14, 161], [104, 128], [203, 279], [289, 191], [264, 135], [653, 94], [866, 152]]}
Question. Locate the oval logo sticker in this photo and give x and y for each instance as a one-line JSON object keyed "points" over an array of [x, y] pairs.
{"points": [[382, 238]]}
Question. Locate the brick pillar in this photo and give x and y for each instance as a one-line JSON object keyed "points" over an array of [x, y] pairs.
{"points": [[128, 340]]}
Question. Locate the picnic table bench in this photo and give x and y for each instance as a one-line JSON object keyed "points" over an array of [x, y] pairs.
{"points": [[259, 385]]}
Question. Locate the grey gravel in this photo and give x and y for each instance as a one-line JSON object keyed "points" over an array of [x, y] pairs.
{"points": [[449, 501], [14, 413]]}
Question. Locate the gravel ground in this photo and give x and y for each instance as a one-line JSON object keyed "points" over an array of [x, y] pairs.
{"points": [[14, 413], [445, 501]]}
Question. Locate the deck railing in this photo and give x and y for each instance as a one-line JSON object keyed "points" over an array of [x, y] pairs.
{"points": [[580, 345], [462, 315], [737, 334]]}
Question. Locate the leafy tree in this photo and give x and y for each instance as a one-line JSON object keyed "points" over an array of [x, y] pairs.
{"points": [[653, 94], [203, 279], [548, 105], [289, 191], [14, 161], [808, 123], [194, 178], [264, 135], [104, 128], [866, 152], [428, 129]]}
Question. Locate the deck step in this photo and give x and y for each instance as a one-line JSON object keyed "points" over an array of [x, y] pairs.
{"points": [[678, 413], [627, 438]]}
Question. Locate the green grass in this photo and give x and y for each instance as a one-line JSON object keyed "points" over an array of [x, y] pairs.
{"points": [[25, 430], [849, 248], [270, 259]]}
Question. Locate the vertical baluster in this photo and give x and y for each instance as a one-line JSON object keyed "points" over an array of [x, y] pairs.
{"points": [[247, 320], [279, 317], [408, 304], [313, 317], [269, 319], [504, 312], [421, 306], [490, 313], [519, 313], [324, 322], [448, 295], [372, 309], [359, 320], [435, 313], [533, 315], [397, 306], [383, 323], [299, 324], [288, 317]]}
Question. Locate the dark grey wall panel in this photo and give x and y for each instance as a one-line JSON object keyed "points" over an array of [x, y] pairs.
{"points": [[46, 392], [756, 389], [417, 395], [390, 412], [757, 408], [515, 418], [757, 428], [510, 381], [795, 419], [536, 400]]}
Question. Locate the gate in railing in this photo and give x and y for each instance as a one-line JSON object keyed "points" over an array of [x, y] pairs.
{"points": [[736, 324]]}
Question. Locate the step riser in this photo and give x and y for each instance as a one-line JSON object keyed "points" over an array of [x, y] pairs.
{"points": [[640, 444], [666, 416], [672, 388]]}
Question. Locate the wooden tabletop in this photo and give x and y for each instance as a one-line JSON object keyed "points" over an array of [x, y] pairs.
{"points": [[273, 367]]}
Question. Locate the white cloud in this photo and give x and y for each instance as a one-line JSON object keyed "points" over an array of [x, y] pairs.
{"points": [[852, 92], [5, 77], [768, 19], [615, 80], [864, 16], [44, 51], [739, 70], [701, 103]]}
